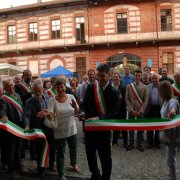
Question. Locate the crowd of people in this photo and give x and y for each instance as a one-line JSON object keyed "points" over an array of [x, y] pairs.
{"points": [[54, 106]]}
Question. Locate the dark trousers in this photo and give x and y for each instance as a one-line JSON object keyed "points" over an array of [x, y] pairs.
{"points": [[3, 147], [39, 145], [99, 142], [153, 136], [50, 138], [12, 147], [124, 136], [139, 139]]}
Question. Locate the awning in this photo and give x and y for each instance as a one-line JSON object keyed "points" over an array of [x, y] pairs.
{"points": [[9, 70]]}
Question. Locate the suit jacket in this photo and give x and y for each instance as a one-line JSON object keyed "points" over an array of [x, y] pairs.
{"points": [[9, 110], [111, 98], [132, 102], [32, 107], [122, 102], [22, 93]]}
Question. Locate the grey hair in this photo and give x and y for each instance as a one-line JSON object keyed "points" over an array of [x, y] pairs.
{"points": [[36, 84], [155, 75], [60, 81], [4, 82]]}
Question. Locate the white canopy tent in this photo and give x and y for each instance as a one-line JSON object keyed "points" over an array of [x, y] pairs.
{"points": [[9, 70]]}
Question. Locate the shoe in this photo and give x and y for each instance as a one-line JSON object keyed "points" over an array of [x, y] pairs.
{"points": [[4, 167], [158, 146], [62, 178], [129, 147], [76, 169], [149, 146], [19, 170], [41, 175], [53, 168], [125, 145], [33, 157], [14, 176], [140, 148]]}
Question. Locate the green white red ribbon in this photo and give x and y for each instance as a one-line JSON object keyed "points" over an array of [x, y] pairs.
{"points": [[25, 86], [31, 135], [14, 101], [51, 92], [176, 89], [99, 98], [132, 124], [136, 93]]}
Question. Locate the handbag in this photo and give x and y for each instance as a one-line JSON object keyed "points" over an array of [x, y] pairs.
{"points": [[53, 123]]}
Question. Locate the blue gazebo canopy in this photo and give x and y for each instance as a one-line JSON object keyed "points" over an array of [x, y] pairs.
{"points": [[60, 70]]}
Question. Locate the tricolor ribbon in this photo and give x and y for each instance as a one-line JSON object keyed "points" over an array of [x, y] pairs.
{"points": [[51, 92], [99, 98], [136, 93], [132, 124], [31, 135]]}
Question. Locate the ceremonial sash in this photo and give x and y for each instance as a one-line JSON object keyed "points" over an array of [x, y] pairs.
{"points": [[51, 92], [132, 124], [14, 101], [25, 87], [88, 82], [99, 98], [176, 89], [31, 135], [136, 93]]}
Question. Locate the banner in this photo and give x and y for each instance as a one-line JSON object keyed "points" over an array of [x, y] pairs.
{"points": [[31, 135], [132, 124]]}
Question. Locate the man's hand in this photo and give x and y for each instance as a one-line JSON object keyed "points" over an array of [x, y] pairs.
{"points": [[26, 129], [92, 119], [82, 116], [4, 119], [41, 114], [172, 113]]}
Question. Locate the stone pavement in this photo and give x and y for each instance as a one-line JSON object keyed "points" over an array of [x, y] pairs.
{"points": [[127, 165]]}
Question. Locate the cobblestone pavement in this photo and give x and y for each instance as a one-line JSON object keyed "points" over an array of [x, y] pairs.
{"points": [[127, 165]]}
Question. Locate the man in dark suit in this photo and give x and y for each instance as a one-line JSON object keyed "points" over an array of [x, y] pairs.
{"points": [[100, 141], [34, 118], [11, 109], [24, 90]]}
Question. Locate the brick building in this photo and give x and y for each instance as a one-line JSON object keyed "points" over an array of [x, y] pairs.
{"points": [[79, 34]]}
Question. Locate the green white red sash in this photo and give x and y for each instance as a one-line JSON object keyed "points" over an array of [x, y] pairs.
{"points": [[14, 101], [88, 82], [31, 135], [132, 124], [51, 92], [25, 86], [99, 98], [176, 89], [136, 93]]}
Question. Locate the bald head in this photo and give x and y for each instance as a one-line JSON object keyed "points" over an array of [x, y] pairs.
{"points": [[155, 78], [177, 78]]}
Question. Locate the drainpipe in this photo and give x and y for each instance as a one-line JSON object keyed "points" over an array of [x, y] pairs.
{"points": [[157, 33]]}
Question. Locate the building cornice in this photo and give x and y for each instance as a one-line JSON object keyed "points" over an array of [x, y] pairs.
{"points": [[41, 5]]}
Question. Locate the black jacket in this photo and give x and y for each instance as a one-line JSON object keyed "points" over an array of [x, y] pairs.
{"points": [[9, 110], [111, 98], [32, 107]]}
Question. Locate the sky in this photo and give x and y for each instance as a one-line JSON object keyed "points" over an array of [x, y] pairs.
{"points": [[13, 3]]}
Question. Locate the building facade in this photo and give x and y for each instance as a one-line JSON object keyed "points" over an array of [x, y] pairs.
{"points": [[80, 34]]}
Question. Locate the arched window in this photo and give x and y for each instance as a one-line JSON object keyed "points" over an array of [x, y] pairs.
{"points": [[119, 60]]}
